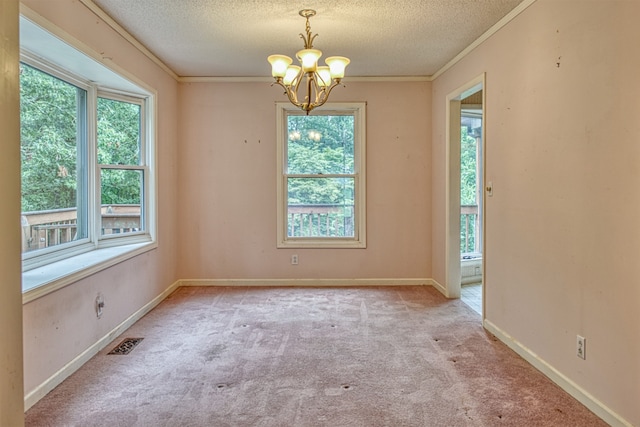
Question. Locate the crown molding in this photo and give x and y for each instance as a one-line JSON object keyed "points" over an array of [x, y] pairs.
{"points": [[214, 79], [262, 79], [491, 31], [127, 36]]}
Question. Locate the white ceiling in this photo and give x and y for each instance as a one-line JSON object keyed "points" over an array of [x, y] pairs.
{"points": [[232, 38]]}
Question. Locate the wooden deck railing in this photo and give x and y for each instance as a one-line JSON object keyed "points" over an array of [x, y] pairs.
{"points": [[43, 229], [320, 221], [469, 227]]}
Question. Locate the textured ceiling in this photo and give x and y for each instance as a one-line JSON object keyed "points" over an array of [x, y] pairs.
{"points": [[221, 38]]}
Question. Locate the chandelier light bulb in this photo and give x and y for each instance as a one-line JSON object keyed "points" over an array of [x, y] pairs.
{"points": [[309, 59], [324, 76], [279, 64], [337, 65], [291, 75]]}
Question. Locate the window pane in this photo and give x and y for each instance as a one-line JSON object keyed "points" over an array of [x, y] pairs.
{"points": [[118, 132], [320, 207], [121, 191], [320, 144], [52, 143]]}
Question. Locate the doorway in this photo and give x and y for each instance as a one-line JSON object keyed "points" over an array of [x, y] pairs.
{"points": [[471, 201], [465, 208]]}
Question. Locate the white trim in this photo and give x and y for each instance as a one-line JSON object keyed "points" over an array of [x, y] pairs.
{"points": [[452, 181], [263, 79], [127, 36], [491, 31], [439, 287], [308, 282], [583, 396], [359, 240], [40, 391]]}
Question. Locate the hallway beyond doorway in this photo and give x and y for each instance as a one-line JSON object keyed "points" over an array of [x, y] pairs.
{"points": [[471, 295]]}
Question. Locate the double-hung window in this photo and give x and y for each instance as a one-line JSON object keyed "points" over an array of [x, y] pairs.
{"points": [[121, 167], [321, 176], [86, 162]]}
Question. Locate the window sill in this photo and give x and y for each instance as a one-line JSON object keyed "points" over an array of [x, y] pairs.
{"points": [[322, 244], [49, 278]]}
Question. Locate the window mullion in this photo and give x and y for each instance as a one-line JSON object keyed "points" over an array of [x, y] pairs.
{"points": [[90, 158]]}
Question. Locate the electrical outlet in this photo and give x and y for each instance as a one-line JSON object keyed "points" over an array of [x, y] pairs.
{"points": [[581, 349], [294, 259]]}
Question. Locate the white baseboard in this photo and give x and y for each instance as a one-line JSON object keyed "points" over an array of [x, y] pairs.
{"points": [[39, 392], [557, 377], [307, 282], [439, 287]]}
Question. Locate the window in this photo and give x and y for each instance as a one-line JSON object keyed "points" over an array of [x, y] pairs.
{"points": [[86, 163], [321, 179], [470, 185], [53, 138], [122, 171]]}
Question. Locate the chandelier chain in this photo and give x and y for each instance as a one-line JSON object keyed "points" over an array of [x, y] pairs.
{"points": [[308, 40]]}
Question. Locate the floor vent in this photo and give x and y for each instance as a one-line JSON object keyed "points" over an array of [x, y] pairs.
{"points": [[126, 346]]}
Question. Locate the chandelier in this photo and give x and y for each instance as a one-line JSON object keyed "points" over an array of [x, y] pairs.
{"points": [[318, 80]]}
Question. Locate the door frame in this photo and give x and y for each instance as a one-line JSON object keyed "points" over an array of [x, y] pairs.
{"points": [[452, 184]]}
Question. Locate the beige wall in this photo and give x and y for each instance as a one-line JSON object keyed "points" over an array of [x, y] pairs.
{"points": [[61, 325], [562, 150], [11, 389], [228, 187]]}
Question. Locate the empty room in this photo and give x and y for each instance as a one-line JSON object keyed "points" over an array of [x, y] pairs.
{"points": [[209, 225]]}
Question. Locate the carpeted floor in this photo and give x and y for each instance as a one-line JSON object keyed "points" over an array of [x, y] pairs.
{"points": [[370, 356]]}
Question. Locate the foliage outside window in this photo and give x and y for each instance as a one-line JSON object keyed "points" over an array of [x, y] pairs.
{"points": [[470, 238], [53, 115], [120, 164], [321, 188], [84, 165]]}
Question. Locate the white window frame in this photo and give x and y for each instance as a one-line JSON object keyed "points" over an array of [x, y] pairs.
{"points": [[358, 110], [53, 52], [143, 166]]}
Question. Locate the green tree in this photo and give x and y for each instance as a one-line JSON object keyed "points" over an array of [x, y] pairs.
{"points": [[468, 174], [321, 144], [49, 140], [119, 144], [468, 185], [53, 139]]}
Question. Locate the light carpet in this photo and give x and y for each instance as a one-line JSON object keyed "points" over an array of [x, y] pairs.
{"points": [[366, 356]]}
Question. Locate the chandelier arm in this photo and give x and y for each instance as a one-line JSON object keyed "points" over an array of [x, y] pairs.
{"points": [[293, 97], [311, 87], [326, 91], [297, 81], [289, 92]]}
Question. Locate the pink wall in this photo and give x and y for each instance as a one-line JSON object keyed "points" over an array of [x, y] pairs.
{"points": [[562, 151], [228, 186], [61, 325]]}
